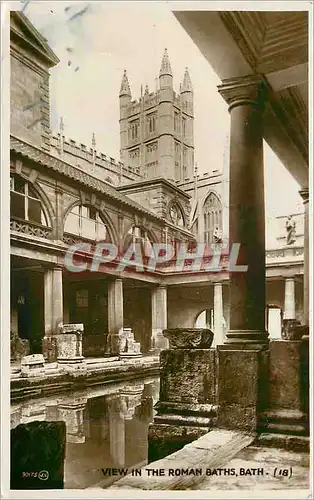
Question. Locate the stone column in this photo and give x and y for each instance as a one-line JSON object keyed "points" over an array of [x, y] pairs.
{"points": [[53, 311], [289, 307], [57, 300], [115, 316], [48, 302], [243, 357], [159, 319], [218, 314], [305, 196], [245, 97]]}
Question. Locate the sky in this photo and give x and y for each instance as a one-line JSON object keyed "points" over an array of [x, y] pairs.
{"points": [[96, 46]]}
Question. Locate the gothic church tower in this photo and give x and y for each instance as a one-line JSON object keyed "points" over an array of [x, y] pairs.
{"points": [[156, 131]]}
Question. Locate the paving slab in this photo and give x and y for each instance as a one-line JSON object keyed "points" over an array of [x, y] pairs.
{"points": [[186, 467], [258, 468]]}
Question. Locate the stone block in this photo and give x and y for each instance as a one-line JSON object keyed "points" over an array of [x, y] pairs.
{"points": [[69, 344], [128, 347], [19, 347], [49, 349], [285, 374], [189, 338], [33, 365], [187, 403], [37, 456], [188, 376], [242, 378]]}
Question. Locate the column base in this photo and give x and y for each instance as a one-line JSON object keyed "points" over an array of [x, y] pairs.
{"points": [[113, 345], [247, 338], [158, 342], [49, 348]]}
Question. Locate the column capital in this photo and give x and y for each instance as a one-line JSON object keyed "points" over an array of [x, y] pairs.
{"points": [[57, 267], [304, 193], [162, 287], [247, 90], [290, 278], [117, 280], [216, 283]]}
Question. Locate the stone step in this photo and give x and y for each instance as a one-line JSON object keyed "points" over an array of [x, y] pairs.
{"points": [[187, 467], [286, 441], [292, 422], [174, 419], [285, 428]]}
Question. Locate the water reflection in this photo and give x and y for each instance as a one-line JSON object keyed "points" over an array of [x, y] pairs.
{"points": [[106, 427]]}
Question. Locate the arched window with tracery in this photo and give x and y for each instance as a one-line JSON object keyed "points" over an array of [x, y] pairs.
{"points": [[140, 235], [25, 203], [176, 214], [86, 222], [212, 219]]}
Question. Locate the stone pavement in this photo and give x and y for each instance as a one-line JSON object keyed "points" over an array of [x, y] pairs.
{"points": [[224, 460], [267, 462]]}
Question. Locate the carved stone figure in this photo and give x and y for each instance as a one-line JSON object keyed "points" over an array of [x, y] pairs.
{"points": [[217, 236], [290, 228]]}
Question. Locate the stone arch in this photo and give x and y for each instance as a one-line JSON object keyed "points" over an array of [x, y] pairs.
{"points": [[127, 238], [203, 317], [46, 205], [105, 217]]}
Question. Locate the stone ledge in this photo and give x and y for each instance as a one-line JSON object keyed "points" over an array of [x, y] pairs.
{"points": [[287, 442], [53, 384], [212, 450]]}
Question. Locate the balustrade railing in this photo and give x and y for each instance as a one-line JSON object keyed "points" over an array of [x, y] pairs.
{"points": [[30, 228]]}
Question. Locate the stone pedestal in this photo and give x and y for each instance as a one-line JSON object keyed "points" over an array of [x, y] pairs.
{"points": [[187, 403], [287, 411], [242, 387], [33, 365], [128, 347], [69, 345]]}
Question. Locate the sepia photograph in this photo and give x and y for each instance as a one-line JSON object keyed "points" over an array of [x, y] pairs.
{"points": [[156, 233]]}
